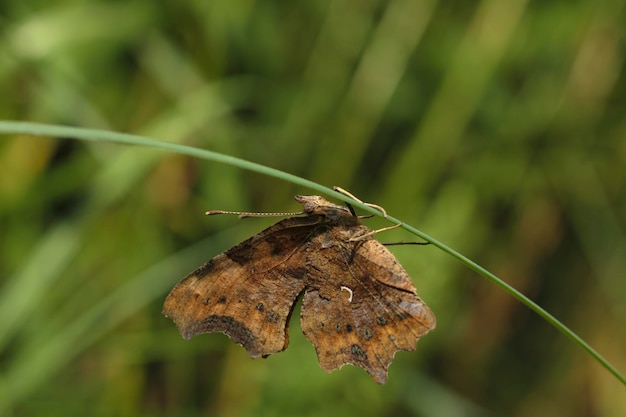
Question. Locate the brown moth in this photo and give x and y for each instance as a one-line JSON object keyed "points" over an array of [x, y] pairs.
{"points": [[359, 306]]}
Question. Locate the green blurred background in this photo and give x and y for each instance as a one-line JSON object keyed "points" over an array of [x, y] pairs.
{"points": [[496, 126]]}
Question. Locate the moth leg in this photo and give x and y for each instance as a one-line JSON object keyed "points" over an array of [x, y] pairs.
{"points": [[368, 216], [404, 243], [352, 210], [352, 196], [373, 232]]}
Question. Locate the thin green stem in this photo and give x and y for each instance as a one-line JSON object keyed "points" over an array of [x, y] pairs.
{"points": [[122, 138], [93, 135]]}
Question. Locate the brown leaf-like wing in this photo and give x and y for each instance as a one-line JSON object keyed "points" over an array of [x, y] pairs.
{"points": [[247, 292], [360, 307]]}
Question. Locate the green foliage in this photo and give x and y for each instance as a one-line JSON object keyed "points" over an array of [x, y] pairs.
{"points": [[498, 128]]}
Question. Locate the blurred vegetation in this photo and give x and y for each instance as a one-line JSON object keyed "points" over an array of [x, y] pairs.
{"points": [[497, 127]]}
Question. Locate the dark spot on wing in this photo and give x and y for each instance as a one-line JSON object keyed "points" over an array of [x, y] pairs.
{"points": [[243, 253], [236, 330], [279, 244], [357, 351], [298, 272], [272, 317], [204, 270]]}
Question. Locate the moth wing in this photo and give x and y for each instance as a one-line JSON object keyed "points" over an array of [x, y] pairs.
{"points": [[368, 315], [247, 292]]}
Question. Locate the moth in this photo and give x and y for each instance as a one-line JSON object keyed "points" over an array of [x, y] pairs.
{"points": [[359, 305]]}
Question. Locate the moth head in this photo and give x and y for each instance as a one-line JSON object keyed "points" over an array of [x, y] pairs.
{"points": [[314, 204]]}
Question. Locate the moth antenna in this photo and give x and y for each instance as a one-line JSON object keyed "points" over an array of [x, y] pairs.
{"points": [[243, 214], [352, 196]]}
